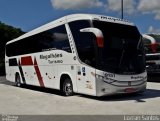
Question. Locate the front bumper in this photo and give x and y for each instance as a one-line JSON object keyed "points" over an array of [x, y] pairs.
{"points": [[120, 87]]}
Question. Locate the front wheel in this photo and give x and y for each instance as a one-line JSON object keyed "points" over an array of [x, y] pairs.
{"points": [[18, 80], [67, 88]]}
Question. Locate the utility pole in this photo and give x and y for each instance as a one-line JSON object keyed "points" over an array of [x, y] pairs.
{"points": [[122, 8]]}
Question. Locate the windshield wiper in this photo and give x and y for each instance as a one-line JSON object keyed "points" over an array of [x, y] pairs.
{"points": [[139, 42], [122, 55]]}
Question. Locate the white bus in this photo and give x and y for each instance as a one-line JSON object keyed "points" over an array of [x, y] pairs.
{"points": [[152, 49], [82, 53]]}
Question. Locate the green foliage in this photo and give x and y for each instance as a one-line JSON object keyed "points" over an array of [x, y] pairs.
{"points": [[7, 33]]}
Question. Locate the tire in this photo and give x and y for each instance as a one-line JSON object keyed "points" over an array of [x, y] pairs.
{"points": [[67, 89], [18, 81]]}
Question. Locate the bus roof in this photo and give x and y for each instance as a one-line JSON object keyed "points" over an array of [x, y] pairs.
{"points": [[72, 17]]}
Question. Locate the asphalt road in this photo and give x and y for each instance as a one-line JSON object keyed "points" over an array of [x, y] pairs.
{"points": [[31, 100]]}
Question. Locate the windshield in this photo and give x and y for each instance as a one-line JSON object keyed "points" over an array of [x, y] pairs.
{"points": [[123, 51]]}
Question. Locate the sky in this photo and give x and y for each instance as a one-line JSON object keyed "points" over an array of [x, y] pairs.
{"points": [[30, 14]]}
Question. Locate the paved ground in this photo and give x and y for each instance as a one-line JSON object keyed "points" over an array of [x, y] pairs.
{"points": [[38, 101]]}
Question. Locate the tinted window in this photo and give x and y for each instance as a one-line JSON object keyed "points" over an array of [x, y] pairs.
{"points": [[84, 41], [55, 38], [13, 62]]}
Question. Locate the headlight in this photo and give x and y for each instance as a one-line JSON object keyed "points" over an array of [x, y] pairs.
{"points": [[99, 77], [108, 80]]}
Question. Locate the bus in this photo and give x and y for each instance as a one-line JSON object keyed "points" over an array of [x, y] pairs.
{"points": [[152, 48], [80, 53]]}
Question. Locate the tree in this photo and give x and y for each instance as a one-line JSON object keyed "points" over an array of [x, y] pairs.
{"points": [[7, 33]]}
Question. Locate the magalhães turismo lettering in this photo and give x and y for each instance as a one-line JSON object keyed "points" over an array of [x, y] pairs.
{"points": [[56, 55]]}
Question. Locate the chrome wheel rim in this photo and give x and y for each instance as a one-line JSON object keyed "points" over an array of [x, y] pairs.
{"points": [[18, 81], [68, 89]]}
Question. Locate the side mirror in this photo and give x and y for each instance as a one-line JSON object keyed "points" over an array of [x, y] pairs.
{"points": [[98, 33]]}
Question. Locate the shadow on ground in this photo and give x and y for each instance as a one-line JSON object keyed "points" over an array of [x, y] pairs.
{"points": [[138, 97], [149, 93]]}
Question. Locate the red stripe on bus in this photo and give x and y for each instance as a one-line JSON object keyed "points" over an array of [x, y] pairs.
{"points": [[40, 79], [26, 61]]}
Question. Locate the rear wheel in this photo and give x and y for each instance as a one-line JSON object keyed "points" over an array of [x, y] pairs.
{"points": [[67, 88], [18, 80]]}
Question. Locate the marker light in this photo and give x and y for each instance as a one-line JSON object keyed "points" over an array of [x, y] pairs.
{"points": [[100, 42], [154, 47]]}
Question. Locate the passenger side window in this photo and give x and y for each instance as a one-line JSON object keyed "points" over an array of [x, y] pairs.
{"points": [[52, 39], [55, 38]]}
